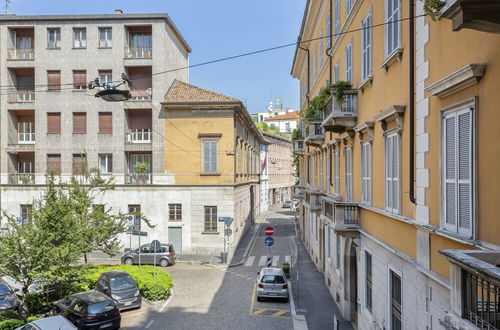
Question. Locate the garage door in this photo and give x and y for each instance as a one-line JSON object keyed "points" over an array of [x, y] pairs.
{"points": [[175, 238]]}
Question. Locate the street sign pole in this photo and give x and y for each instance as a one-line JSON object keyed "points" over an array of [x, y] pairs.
{"points": [[139, 242], [154, 269]]}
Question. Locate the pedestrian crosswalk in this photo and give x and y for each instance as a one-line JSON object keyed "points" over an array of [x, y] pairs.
{"points": [[261, 261]]}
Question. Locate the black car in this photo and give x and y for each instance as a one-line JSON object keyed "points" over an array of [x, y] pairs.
{"points": [[90, 310], [119, 286], [8, 298]]}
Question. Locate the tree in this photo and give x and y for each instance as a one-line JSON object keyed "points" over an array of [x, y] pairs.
{"points": [[64, 223], [262, 126]]}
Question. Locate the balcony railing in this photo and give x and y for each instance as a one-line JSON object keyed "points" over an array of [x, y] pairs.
{"points": [[339, 115], [139, 135], [315, 133], [138, 52], [298, 192], [345, 216], [26, 138], [298, 146], [21, 96], [140, 95], [21, 54], [22, 178], [482, 301], [138, 178]]}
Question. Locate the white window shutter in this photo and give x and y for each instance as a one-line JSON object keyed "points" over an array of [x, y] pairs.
{"points": [[450, 198], [464, 121], [395, 173], [388, 173]]}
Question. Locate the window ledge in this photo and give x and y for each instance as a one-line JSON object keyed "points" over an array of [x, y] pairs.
{"points": [[53, 133], [53, 48], [210, 174], [79, 90], [104, 47], [210, 233], [367, 82], [78, 47], [397, 54]]}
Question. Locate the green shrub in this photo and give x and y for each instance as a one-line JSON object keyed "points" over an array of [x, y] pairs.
{"points": [[151, 288], [11, 324], [9, 314], [32, 318], [36, 303]]}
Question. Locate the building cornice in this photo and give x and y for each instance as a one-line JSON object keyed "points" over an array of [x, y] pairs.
{"points": [[393, 113], [465, 77]]}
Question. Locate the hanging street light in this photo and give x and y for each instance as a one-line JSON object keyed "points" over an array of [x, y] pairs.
{"points": [[109, 93]]}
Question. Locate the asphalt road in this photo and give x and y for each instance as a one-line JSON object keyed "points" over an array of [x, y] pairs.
{"points": [[218, 297]]}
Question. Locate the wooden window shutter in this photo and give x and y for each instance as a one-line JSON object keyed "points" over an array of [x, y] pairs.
{"points": [[54, 80], [78, 164], [54, 164], [464, 162], [105, 122], [54, 122], [79, 78], [79, 122]]}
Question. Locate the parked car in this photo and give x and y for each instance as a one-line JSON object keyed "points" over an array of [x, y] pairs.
{"points": [[272, 283], [296, 202], [165, 257], [287, 205], [8, 298], [49, 323], [90, 310], [119, 286]]}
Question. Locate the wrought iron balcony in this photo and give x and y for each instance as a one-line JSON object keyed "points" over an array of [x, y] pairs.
{"points": [[341, 115], [21, 96], [315, 133], [22, 178], [345, 217], [298, 147], [139, 135], [138, 52], [138, 178], [21, 54]]}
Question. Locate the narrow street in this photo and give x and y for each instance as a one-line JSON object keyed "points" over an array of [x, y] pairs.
{"points": [[221, 297]]}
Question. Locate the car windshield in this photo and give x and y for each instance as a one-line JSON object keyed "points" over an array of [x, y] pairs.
{"points": [[273, 279], [4, 290], [101, 307], [121, 282]]}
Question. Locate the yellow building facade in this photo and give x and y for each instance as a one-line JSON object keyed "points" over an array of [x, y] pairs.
{"points": [[397, 160], [212, 156]]}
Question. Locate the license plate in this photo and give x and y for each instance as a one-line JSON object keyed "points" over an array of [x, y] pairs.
{"points": [[273, 294], [128, 303], [107, 325]]}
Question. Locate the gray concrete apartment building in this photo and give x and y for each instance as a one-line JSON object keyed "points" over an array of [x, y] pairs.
{"points": [[49, 119]]}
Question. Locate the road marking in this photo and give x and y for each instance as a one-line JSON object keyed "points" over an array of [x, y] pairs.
{"points": [[288, 259], [168, 301], [271, 312], [134, 314], [262, 261], [149, 324], [280, 313], [276, 259], [253, 297], [249, 262], [259, 311]]}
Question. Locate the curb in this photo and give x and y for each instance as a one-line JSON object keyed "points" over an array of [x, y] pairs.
{"points": [[250, 246], [299, 321]]}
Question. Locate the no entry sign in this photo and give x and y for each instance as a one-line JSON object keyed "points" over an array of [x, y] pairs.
{"points": [[269, 231]]}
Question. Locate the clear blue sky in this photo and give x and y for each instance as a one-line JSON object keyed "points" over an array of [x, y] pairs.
{"points": [[215, 29]]}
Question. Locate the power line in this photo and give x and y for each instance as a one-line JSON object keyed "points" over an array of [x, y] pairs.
{"points": [[223, 59]]}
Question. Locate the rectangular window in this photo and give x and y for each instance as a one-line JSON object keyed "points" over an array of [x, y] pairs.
{"points": [[105, 122], [328, 169], [366, 47], [337, 17], [392, 162], [321, 50], [366, 175], [211, 219], [79, 38], [80, 122], [458, 208], [105, 76], [54, 80], [395, 296], [315, 64], [336, 73], [26, 213], [337, 251], [348, 174], [348, 7], [392, 28], [348, 62], [54, 164], [54, 122], [79, 79], [106, 163], [174, 212], [79, 164], [329, 238], [328, 30], [105, 38], [336, 175], [210, 156], [54, 38], [368, 281]]}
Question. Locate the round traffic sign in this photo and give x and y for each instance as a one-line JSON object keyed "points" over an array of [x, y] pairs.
{"points": [[228, 232], [269, 231], [269, 241]]}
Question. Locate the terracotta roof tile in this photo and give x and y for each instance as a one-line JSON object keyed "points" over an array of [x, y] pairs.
{"points": [[290, 115], [182, 92]]}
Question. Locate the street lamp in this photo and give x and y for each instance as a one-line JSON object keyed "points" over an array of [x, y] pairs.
{"points": [[109, 92]]}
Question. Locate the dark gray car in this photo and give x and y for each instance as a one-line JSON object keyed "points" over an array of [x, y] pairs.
{"points": [[8, 298], [119, 286], [164, 257]]}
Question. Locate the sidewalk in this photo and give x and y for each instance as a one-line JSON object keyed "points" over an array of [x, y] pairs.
{"points": [[311, 295]]}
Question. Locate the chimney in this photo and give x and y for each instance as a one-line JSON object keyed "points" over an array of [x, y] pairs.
{"points": [[118, 11]]}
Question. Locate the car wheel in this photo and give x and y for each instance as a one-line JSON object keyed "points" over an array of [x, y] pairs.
{"points": [[129, 261], [164, 262], [259, 299]]}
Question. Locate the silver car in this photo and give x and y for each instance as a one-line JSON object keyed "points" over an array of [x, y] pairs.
{"points": [[49, 323], [272, 283], [164, 257]]}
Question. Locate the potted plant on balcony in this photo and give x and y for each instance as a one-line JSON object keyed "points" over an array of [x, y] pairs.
{"points": [[25, 178], [432, 8], [316, 106], [286, 269], [142, 169], [340, 87]]}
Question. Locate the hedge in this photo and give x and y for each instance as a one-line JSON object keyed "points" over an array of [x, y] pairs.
{"points": [[11, 324], [151, 288]]}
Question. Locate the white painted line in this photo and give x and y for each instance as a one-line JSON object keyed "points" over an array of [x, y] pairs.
{"points": [[262, 261], [168, 301], [149, 324], [288, 259], [249, 262], [276, 259]]}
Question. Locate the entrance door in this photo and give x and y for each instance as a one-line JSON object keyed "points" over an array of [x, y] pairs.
{"points": [[175, 238]]}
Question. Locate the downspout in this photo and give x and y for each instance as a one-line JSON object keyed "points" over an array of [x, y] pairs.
{"points": [[411, 23], [308, 68], [328, 51]]}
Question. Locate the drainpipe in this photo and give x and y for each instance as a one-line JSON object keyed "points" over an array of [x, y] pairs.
{"points": [[411, 23], [308, 68], [328, 51]]}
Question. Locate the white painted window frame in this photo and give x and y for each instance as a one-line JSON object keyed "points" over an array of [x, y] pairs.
{"points": [[389, 17], [336, 173], [348, 174], [366, 46], [348, 62], [336, 71], [390, 176], [366, 173], [337, 18]]}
